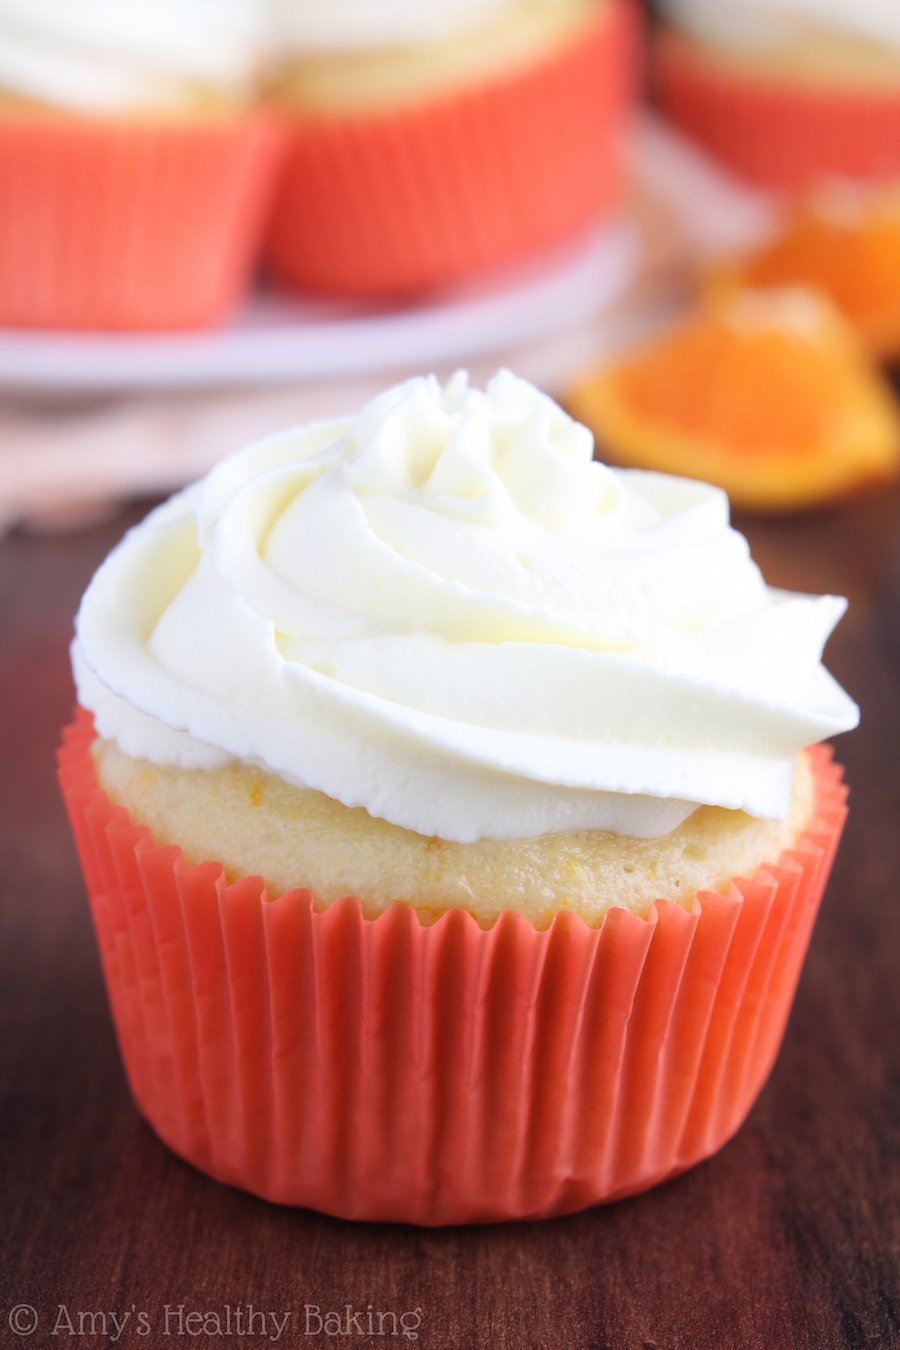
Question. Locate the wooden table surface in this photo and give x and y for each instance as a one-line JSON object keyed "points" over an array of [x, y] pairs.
{"points": [[787, 1240]]}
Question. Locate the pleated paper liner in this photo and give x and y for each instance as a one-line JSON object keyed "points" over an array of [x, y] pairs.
{"points": [[776, 133], [402, 199], [385, 1069], [140, 224]]}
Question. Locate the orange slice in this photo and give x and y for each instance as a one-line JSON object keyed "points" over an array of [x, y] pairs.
{"points": [[767, 394], [844, 242]]}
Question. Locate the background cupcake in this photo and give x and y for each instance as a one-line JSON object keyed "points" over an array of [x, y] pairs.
{"points": [[785, 91], [430, 141], [134, 171], [435, 654]]}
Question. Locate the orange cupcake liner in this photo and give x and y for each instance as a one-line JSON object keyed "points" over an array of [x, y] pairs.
{"points": [[774, 133], [386, 1069], [130, 224], [399, 200]]}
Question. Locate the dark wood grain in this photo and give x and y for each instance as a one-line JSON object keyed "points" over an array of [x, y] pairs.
{"points": [[788, 1240]]}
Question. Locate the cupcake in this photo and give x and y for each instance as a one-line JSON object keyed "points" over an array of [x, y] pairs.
{"points": [[134, 172], [786, 91], [432, 141], [451, 812]]}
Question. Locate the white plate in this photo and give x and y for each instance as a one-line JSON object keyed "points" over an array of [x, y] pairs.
{"points": [[278, 339]]}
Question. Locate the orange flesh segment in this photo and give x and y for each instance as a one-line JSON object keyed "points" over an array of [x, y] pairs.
{"points": [[857, 265], [758, 394]]}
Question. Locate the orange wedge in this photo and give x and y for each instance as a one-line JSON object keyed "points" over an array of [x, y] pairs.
{"points": [[844, 242], [767, 394]]}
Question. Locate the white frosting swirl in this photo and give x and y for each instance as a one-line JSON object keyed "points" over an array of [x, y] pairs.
{"points": [[445, 611], [777, 23], [338, 25], [117, 55]]}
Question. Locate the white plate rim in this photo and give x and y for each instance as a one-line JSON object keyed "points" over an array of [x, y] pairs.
{"points": [[275, 340]]}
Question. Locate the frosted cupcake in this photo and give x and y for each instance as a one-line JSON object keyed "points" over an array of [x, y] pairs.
{"points": [[134, 173], [446, 807], [786, 91], [432, 141]]}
